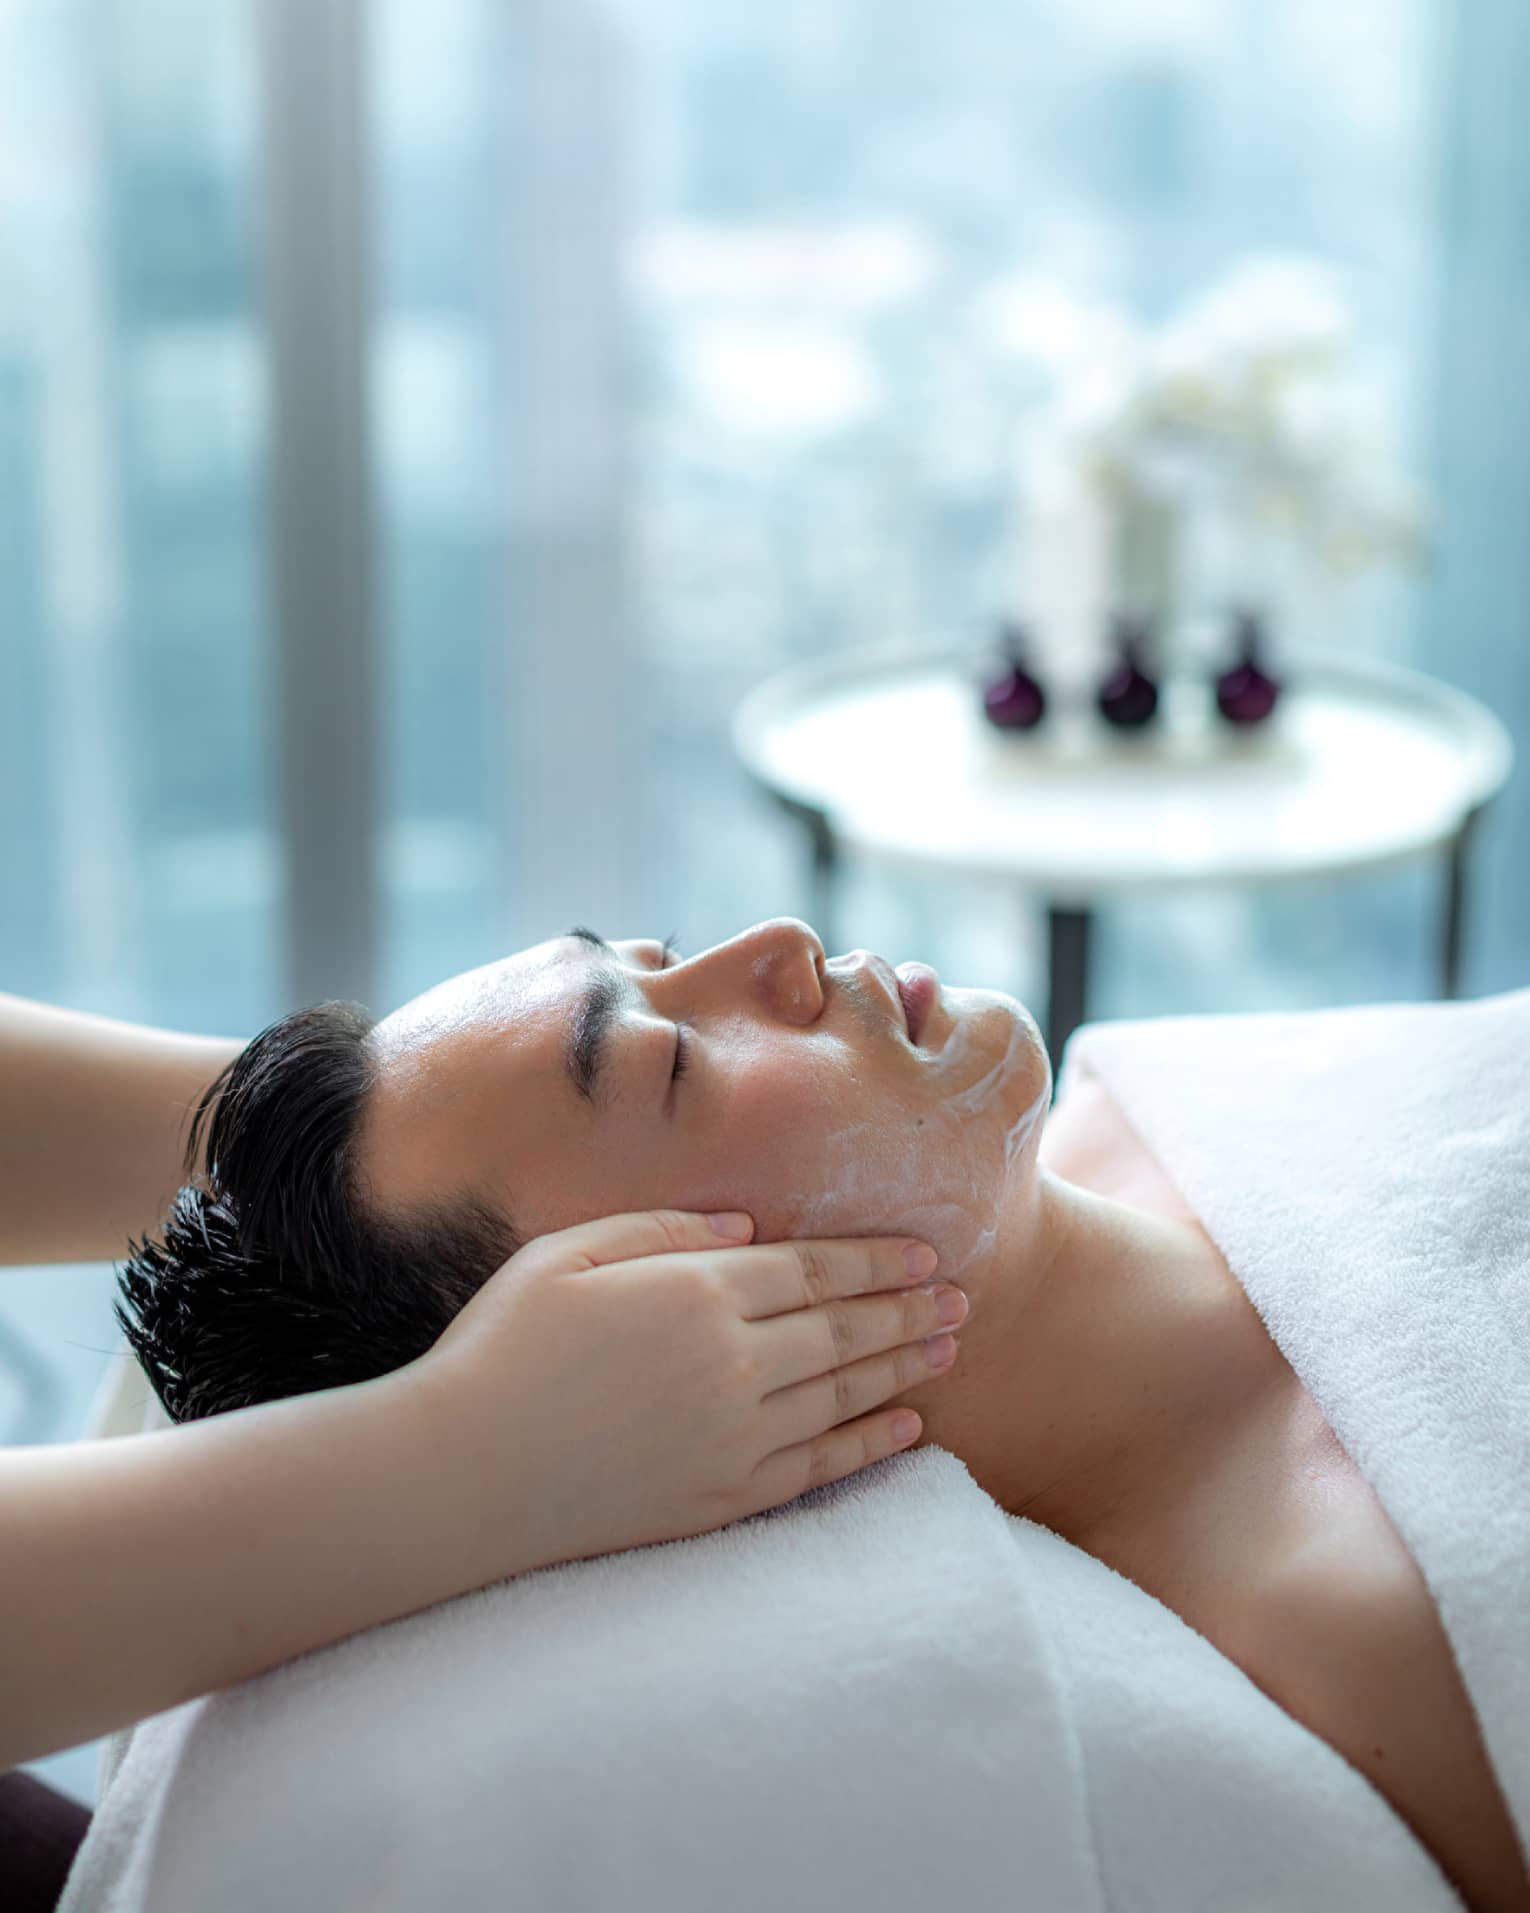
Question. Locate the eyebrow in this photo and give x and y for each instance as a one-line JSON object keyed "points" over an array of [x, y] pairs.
{"points": [[588, 1044]]}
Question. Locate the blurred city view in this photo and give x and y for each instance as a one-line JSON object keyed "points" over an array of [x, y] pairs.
{"points": [[702, 340]]}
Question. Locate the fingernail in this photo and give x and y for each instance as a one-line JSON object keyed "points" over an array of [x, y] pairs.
{"points": [[950, 1306], [732, 1225], [940, 1351], [905, 1426], [919, 1258]]}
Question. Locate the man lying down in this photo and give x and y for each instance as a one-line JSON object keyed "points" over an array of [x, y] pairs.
{"points": [[1115, 1383]]}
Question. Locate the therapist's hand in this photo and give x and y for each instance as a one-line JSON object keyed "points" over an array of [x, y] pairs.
{"points": [[649, 1376]]}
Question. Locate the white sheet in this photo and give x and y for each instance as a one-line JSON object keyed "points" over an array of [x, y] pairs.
{"points": [[893, 1694]]}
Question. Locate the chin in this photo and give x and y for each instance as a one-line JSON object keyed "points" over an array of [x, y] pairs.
{"points": [[1000, 1029]]}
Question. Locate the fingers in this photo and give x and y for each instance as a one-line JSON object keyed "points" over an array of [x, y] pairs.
{"points": [[771, 1277], [813, 1408], [793, 1348], [625, 1238], [829, 1457]]}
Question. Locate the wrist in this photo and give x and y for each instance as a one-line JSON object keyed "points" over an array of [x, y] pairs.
{"points": [[470, 1486]]}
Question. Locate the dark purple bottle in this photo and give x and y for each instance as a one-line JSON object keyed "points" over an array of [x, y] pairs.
{"points": [[1014, 700], [1128, 697], [1246, 694]]}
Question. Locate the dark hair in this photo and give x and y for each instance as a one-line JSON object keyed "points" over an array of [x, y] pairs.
{"points": [[271, 1277]]}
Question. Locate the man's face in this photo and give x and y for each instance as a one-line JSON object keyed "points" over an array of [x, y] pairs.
{"points": [[799, 1095]]}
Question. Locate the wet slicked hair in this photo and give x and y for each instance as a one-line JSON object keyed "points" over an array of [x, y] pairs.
{"points": [[270, 1276]]}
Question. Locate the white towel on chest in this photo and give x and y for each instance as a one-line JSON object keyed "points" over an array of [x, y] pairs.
{"points": [[1366, 1173]]}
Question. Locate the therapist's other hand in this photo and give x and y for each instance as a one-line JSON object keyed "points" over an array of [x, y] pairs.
{"points": [[645, 1377]]}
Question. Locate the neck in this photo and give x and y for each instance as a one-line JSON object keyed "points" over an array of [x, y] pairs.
{"points": [[1105, 1348]]}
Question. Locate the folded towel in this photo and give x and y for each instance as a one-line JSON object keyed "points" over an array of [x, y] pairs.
{"points": [[892, 1694]]}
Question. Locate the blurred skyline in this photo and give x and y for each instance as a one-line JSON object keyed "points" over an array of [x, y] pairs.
{"points": [[689, 359]]}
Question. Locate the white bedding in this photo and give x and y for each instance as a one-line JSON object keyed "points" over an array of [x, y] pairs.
{"points": [[892, 1694]]}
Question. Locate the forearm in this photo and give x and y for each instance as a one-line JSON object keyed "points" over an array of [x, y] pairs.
{"points": [[93, 1122], [140, 1572]]}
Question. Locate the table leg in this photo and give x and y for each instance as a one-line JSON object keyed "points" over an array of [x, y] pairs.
{"points": [[825, 877], [1068, 976], [1453, 928]]}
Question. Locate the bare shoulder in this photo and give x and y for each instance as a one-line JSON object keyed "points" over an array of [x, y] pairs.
{"points": [[1088, 1141], [1351, 1645]]}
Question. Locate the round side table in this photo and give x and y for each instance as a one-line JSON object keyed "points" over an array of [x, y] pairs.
{"points": [[887, 751]]}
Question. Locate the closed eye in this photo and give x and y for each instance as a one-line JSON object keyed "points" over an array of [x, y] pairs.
{"points": [[669, 955]]}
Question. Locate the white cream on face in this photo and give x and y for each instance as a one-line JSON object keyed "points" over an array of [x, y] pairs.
{"points": [[965, 1102], [939, 1172]]}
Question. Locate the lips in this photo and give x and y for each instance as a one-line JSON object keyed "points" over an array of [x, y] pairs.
{"points": [[918, 986], [910, 991]]}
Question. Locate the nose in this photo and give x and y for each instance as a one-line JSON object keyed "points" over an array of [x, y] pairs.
{"points": [[776, 966]]}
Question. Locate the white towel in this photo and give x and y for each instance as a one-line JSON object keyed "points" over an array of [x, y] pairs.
{"points": [[891, 1694], [843, 1704]]}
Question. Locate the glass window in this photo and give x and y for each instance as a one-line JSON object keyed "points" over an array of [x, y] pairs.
{"points": [[138, 871]]}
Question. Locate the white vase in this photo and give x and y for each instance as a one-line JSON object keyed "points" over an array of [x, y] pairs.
{"points": [[1148, 573]]}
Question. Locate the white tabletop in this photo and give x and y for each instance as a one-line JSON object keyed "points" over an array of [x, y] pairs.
{"points": [[1362, 764]]}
